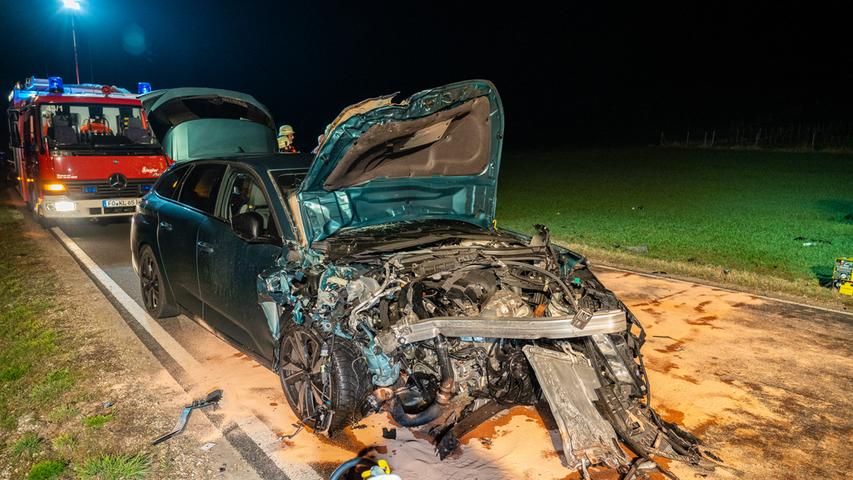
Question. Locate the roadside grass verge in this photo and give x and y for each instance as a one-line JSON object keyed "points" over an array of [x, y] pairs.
{"points": [[51, 423], [47, 470], [114, 467], [772, 222], [97, 421]]}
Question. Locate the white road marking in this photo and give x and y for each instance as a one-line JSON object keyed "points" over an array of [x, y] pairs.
{"points": [[763, 297], [251, 425]]}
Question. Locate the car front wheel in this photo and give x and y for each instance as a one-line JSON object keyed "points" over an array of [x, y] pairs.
{"points": [[153, 287], [325, 381]]}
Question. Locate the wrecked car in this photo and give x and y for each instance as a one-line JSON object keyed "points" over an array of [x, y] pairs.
{"points": [[373, 277]]}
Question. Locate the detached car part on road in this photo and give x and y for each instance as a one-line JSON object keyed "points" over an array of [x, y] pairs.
{"points": [[372, 277]]}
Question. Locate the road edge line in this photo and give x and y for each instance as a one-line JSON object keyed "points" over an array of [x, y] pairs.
{"points": [[727, 289], [251, 426]]}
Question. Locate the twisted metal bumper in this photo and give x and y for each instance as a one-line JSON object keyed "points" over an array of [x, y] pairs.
{"points": [[405, 332]]}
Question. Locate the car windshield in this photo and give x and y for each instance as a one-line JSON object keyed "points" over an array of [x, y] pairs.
{"points": [[87, 126], [288, 180]]}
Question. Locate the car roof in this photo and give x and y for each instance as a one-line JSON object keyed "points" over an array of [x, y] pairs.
{"points": [[264, 161]]}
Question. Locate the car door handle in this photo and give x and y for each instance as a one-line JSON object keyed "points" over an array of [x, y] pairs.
{"points": [[205, 247], [166, 226]]}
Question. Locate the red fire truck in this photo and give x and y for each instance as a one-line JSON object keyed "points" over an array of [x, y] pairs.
{"points": [[81, 151]]}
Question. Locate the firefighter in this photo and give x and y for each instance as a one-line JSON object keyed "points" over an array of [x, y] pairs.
{"points": [[285, 139]]}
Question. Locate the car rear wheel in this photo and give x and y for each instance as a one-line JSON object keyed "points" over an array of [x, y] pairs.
{"points": [[153, 287], [325, 382]]}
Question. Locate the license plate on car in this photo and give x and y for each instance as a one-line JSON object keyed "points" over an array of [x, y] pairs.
{"points": [[124, 202]]}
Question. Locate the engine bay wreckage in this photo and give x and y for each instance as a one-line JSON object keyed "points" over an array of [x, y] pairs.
{"points": [[403, 296]]}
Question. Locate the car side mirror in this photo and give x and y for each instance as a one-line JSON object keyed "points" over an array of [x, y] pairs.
{"points": [[248, 225]]}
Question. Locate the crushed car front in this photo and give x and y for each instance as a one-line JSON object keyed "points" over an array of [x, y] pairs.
{"points": [[443, 318]]}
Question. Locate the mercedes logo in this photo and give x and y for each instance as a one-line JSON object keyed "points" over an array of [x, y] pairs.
{"points": [[117, 181]]}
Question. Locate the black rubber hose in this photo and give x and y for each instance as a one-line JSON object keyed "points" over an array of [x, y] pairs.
{"points": [[445, 390], [415, 419], [345, 467]]}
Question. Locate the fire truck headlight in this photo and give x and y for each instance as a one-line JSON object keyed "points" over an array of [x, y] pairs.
{"points": [[64, 206], [54, 187]]}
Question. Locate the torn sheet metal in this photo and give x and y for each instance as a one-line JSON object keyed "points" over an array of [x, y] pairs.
{"points": [[568, 383]]}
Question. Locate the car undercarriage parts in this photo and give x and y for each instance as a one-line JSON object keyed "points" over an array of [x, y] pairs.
{"points": [[569, 384], [212, 398]]}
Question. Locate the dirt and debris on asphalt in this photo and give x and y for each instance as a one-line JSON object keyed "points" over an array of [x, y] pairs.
{"points": [[766, 384]]}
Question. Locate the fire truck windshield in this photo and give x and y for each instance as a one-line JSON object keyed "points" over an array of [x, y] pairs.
{"points": [[90, 126]]}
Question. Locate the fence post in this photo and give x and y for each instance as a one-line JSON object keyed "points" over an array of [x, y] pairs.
{"points": [[687, 142], [713, 137]]}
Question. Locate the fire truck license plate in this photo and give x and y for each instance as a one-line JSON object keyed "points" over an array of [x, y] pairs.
{"points": [[125, 202]]}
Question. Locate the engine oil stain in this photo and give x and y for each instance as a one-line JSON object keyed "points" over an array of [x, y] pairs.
{"points": [[488, 429], [670, 414], [662, 365], [676, 346], [701, 307], [704, 321]]}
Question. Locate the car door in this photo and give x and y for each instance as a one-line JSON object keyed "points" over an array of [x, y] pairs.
{"points": [[177, 232], [228, 265]]}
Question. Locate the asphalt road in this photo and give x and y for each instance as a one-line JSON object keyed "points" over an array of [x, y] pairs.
{"points": [[766, 383], [108, 244]]}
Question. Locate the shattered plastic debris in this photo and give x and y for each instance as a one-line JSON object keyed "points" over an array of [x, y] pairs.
{"points": [[212, 398]]}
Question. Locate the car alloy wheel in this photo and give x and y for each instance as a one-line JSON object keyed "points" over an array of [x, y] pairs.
{"points": [[149, 279], [153, 286], [304, 377]]}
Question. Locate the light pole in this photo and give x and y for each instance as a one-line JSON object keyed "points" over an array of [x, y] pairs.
{"points": [[74, 6]]}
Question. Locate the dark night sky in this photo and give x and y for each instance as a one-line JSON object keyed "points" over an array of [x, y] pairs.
{"points": [[574, 73]]}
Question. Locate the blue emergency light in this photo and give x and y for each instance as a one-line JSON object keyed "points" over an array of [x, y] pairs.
{"points": [[54, 85], [143, 87]]}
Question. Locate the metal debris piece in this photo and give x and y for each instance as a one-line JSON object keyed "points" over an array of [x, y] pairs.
{"points": [[389, 433], [569, 385], [290, 436], [207, 446], [212, 398]]}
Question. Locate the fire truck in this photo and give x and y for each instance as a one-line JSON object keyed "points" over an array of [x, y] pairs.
{"points": [[81, 151]]}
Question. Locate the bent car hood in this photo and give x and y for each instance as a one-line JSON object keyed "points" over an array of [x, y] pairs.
{"points": [[434, 155]]}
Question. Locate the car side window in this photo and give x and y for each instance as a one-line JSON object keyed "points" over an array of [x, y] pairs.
{"points": [[170, 182], [201, 187], [245, 195]]}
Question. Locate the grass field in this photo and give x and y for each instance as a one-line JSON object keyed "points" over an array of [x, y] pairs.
{"points": [[751, 214]]}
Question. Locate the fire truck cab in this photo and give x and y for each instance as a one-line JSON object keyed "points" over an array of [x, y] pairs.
{"points": [[81, 151]]}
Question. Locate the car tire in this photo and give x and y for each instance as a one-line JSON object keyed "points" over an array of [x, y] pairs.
{"points": [[340, 379], [152, 285]]}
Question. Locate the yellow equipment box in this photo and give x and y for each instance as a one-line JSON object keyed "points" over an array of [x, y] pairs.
{"points": [[842, 275]]}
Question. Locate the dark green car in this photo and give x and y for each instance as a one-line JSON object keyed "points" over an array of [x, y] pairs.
{"points": [[371, 276]]}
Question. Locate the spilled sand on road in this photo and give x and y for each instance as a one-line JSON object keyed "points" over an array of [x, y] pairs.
{"points": [[728, 366]]}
